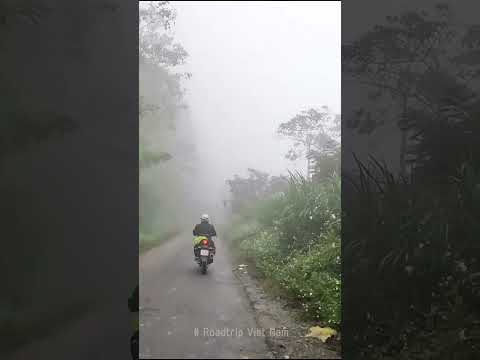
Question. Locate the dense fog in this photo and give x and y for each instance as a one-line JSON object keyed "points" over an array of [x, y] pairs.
{"points": [[253, 66]]}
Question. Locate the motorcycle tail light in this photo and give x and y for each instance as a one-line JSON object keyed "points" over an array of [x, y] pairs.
{"points": [[204, 242]]}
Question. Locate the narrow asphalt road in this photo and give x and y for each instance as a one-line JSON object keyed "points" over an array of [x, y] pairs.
{"points": [[176, 299]]}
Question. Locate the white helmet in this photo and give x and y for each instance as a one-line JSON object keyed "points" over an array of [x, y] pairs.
{"points": [[204, 217]]}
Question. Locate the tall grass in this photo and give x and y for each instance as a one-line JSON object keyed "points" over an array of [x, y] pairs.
{"points": [[412, 260], [294, 242]]}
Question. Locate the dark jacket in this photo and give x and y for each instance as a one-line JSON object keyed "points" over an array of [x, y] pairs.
{"points": [[205, 229]]}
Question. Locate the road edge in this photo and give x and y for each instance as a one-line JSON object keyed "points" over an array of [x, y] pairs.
{"points": [[270, 313]]}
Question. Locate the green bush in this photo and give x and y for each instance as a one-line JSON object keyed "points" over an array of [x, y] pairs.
{"points": [[309, 278], [295, 244], [306, 210]]}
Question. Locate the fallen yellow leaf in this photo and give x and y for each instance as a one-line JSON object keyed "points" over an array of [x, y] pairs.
{"points": [[321, 333]]}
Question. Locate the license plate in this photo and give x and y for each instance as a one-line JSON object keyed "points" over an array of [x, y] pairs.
{"points": [[204, 252]]}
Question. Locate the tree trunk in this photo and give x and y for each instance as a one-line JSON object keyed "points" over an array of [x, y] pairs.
{"points": [[403, 146], [403, 140], [308, 168], [309, 162]]}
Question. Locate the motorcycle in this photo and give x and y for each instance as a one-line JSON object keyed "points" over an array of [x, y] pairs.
{"points": [[205, 254]]}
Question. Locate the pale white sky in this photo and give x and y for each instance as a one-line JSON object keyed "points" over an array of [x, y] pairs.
{"points": [[255, 65]]}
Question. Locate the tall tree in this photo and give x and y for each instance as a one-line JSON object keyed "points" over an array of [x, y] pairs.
{"points": [[159, 53], [402, 62], [23, 127], [429, 68], [313, 132], [161, 97], [412, 64], [156, 41]]}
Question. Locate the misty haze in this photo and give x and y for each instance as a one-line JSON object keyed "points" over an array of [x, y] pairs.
{"points": [[240, 125]]}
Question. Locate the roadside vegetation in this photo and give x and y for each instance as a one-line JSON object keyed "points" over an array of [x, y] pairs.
{"points": [[287, 230], [161, 102], [412, 284]]}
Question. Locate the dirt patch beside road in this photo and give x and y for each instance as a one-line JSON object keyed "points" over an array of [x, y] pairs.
{"points": [[284, 333]]}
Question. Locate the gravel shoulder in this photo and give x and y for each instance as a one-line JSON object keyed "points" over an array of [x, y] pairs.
{"points": [[287, 338]]}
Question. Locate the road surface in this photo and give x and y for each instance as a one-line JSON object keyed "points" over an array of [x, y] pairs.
{"points": [[176, 299]]}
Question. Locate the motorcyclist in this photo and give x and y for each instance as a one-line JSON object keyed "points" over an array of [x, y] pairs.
{"points": [[204, 229]]}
